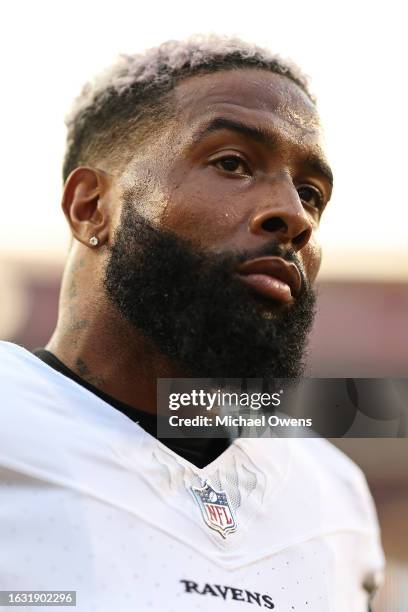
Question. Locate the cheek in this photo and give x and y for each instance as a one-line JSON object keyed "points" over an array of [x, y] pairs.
{"points": [[144, 183], [201, 213], [312, 258]]}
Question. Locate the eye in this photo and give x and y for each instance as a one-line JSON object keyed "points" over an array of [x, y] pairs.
{"points": [[311, 196], [233, 164]]}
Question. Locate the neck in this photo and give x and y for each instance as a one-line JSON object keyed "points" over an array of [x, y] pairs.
{"points": [[95, 342]]}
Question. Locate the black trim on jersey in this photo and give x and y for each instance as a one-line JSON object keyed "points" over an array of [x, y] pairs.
{"points": [[198, 451]]}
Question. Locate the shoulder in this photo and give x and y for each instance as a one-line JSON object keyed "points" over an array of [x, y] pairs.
{"points": [[37, 403], [320, 493], [326, 463], [10, 354], [49, 423], [313, 473], [338, 482], [17, 363], [28, 388], [343, 496], [27, 400], [23, 375], [18, 369], [327, 458]]}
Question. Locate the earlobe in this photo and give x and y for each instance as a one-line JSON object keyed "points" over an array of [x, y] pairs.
{"points": [[94, 241], [85, 204]]}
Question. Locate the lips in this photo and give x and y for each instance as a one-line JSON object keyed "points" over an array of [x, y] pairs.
{"points": [[272, 277]]}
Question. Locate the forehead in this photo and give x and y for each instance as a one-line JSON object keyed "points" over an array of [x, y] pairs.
{"points": [[254, 95]]}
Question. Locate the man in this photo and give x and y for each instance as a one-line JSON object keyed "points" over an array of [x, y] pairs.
{"points": [[195, 182]]}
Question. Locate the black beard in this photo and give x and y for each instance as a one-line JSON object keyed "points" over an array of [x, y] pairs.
{"points": [[193, 309]]}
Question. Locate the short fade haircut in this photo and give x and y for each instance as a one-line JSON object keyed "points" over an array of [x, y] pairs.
{"points": [[133, 94]]}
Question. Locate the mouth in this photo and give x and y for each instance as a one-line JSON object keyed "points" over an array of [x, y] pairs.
{"points": [[272, 278]]}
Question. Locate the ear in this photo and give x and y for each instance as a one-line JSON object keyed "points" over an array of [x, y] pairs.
{"points": [[85, 203]]}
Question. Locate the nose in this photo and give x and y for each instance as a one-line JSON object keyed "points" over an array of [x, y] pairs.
{"points": [[284, 217]]}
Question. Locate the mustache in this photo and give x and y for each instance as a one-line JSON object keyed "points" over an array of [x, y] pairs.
{"points": [[227, 261], [270, 249]]}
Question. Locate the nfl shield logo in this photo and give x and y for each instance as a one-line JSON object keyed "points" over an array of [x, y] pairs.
{"points": [[215, 508]]}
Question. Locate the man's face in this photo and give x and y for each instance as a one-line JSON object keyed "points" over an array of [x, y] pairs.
{"points": [[234, 188]]}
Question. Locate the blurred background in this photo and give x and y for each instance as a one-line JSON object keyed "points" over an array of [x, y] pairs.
{"points": [[355, 54]]}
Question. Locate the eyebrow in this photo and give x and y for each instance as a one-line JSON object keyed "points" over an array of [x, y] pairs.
{"points": [[221, 123], [315, 162]]}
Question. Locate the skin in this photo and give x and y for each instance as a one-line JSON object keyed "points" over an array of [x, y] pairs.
{"points": [[222, 190]]}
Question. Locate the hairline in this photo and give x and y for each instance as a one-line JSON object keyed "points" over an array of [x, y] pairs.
{"points": [[166, 103]]}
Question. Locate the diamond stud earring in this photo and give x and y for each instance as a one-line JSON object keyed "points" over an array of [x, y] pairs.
{"points": [[94, 241]]}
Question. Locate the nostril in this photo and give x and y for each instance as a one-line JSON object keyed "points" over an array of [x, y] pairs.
{"points": [[301, 238], [274, 224]]}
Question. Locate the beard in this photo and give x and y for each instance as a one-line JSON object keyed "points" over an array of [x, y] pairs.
{"points": [[194, 310]]}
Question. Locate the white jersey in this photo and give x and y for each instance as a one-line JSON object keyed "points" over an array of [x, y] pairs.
{"points": [[90, 502]]}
